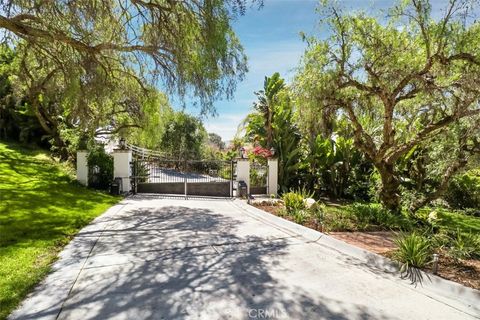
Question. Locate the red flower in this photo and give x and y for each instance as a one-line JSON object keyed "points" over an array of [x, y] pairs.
{"points": [[262, 152]]}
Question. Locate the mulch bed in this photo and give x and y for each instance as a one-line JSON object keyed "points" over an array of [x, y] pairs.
{"points": [[270, 209], [465, 272], [374, 241]]}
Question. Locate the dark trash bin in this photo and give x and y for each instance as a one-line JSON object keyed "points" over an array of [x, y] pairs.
{"points": [[116, 186], [242, 189]]}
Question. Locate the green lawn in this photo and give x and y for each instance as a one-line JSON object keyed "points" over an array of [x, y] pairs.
{"points": [[41, 209]]}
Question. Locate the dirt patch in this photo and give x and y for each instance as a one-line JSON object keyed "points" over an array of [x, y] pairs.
{"points": [[374, 241], [466, 272], [270, 209]]}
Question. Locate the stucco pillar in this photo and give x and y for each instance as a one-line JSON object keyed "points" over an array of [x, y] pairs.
{"points": [[243, 172], [122, 168], [82, 167], [272, 177]]}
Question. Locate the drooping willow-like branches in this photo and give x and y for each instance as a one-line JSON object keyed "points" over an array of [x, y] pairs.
{"points": [[187, 45]]}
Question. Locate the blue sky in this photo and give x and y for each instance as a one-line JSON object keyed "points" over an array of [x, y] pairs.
{"points": [[272, 43], [271, 40]]}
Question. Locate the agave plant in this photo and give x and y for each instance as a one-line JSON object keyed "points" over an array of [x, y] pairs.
{"points": [[414, 252]]}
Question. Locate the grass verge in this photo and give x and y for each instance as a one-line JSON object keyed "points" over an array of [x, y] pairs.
{"points": [[41, 209]]}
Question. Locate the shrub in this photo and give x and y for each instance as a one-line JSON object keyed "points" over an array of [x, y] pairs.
{"points": [[374, 214], [304, 193], [470, 212], [100, 168], [260, 152], [367, 214], [428, 219], [317, 211], [441, 240], [300, 216], [337, 219], [282, 212], [413, 251], [464, 190], [465, 246], [293, 201]]}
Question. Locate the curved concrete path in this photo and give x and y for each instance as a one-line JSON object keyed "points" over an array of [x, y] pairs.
{"points": [[152, 258]]}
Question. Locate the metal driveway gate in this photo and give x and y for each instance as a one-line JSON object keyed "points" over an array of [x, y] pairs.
{"points": [[258, 178], [152, 174]]}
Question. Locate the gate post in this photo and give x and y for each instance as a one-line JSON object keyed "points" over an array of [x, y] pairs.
{"points": [[272, 176], [243, 173], [122, 168], [82, 167]]}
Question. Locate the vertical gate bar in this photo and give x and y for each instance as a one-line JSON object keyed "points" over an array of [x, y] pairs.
{"points": [[266, 183], [135, 174], [132, 176], [231, 179], [185, 179]]}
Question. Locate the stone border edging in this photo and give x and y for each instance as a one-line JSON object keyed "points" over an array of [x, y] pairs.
{"points": [[458, 296]]}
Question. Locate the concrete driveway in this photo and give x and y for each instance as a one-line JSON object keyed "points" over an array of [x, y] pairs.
{"points": [[153, 258]]}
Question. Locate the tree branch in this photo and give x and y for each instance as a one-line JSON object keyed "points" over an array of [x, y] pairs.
{"points": [[426, 132]]}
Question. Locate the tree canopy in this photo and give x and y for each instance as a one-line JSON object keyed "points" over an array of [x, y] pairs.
{"points": [[186, 44], [87, 68], [403, 83], [184, 137], [272, 125], [216, 140], [267, 99]]}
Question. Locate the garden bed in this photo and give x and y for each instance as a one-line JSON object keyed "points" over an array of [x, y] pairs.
{"points": [[465, 272]]}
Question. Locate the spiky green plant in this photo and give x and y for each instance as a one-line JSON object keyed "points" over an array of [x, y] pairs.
{"points": [[414, 252], [465, 246]]}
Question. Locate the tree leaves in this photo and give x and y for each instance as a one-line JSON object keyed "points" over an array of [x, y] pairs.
{"points": [[401, 81]]}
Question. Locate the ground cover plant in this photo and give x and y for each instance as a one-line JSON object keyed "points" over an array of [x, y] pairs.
{"points": [[41, 209]]}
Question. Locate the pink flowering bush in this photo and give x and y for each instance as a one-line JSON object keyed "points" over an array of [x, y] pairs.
{"points": [[261, 152]]}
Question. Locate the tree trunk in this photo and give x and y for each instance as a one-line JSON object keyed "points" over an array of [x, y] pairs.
{"points": [[442, 188], [51, 129], [389, 193], [41, 119]]}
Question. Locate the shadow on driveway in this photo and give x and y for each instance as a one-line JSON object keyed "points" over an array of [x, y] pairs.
{"points": [[175, 262]]}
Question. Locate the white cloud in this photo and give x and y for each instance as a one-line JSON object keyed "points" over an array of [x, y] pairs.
{"points": [[225, 125]]}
